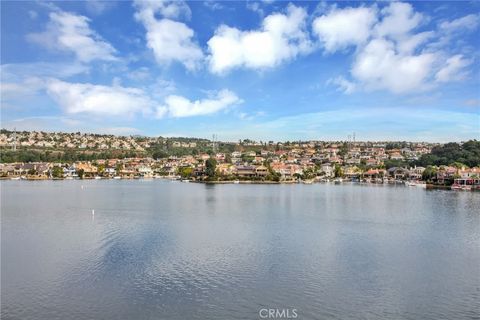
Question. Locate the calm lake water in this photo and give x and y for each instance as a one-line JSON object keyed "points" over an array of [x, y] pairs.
{"points": [[170, 250]]}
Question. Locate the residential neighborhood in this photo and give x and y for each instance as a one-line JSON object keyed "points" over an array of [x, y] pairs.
{"points": [[250, 161]]}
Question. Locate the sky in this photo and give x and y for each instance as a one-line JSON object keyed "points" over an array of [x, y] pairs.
{"points": [[262, 70]]}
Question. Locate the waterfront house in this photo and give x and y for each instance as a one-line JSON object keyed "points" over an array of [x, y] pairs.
{"points": [[328, 170], [445, 174], [245, 171], [398, 173], [261, 171]]}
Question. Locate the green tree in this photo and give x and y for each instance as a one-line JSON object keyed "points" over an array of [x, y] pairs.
{"points": [[210, 167], [185, 172], [429, 173], [338, 171], [57, 172]]}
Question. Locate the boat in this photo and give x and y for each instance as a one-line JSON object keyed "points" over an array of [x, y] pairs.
{"points": [[15, 178], [307, 181], [462, 184], [236, 181], [98, 178], [185, 180], [418, 184], [117, 177], [338, 180]]}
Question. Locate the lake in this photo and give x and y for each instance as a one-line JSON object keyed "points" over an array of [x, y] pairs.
{"points": [[155, 249]]}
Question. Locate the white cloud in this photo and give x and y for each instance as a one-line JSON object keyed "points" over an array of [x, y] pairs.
{"points": [[379, 66], [101, 100], [178, 106], [29, 86], [168, 9], [343, 84], [468, 22], [76, 98], [19, 71], [169, 40], [98, 7], [453, 69], [399, 19], [255, 7], [281, 37], [389, 55], [343, 27], [213, 5], [408, 44], [69, 32]]}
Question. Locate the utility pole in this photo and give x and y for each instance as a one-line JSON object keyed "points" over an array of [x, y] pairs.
{"points": [[214, 144], [14, 139]]}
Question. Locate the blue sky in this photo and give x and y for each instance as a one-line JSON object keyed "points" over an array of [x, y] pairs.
{"points": [[263, 70]]}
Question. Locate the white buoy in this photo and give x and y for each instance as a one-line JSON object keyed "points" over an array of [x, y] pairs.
{"points": [[93, 212]]}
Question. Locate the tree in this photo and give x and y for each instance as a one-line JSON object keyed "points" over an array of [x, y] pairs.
{"points": [[429, 173], [210, 167], [185, 172], [338, 171], [81, 173], [57, 172]]}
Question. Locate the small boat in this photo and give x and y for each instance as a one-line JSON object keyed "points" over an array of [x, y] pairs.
{"points": [[185, 180], [307, 181], [15, 178], [236, 181], [416, 184], [98, 178], [338, 180], [117, 177]]}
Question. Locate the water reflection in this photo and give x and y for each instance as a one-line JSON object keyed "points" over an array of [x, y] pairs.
{"points": [[184, 250]]}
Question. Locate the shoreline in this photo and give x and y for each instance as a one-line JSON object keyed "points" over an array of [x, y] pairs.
{"points": [[247, 182]]}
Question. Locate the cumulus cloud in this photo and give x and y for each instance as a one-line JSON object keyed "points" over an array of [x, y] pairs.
{"points": [[169, 40], [69, 32], [399, 19], [76, 98], [178, 106], [343, 27], [115, 100], [453, 69], [379, 66], [281, 37], [389, 54]]}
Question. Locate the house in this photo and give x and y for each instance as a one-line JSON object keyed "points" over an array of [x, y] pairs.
{"points": [[246, 171], [89, 170], [328, 170], [416, 173], [445, 174], [225, 169], [144, 171], [373, 174], [261, 171], [398, 173]]}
